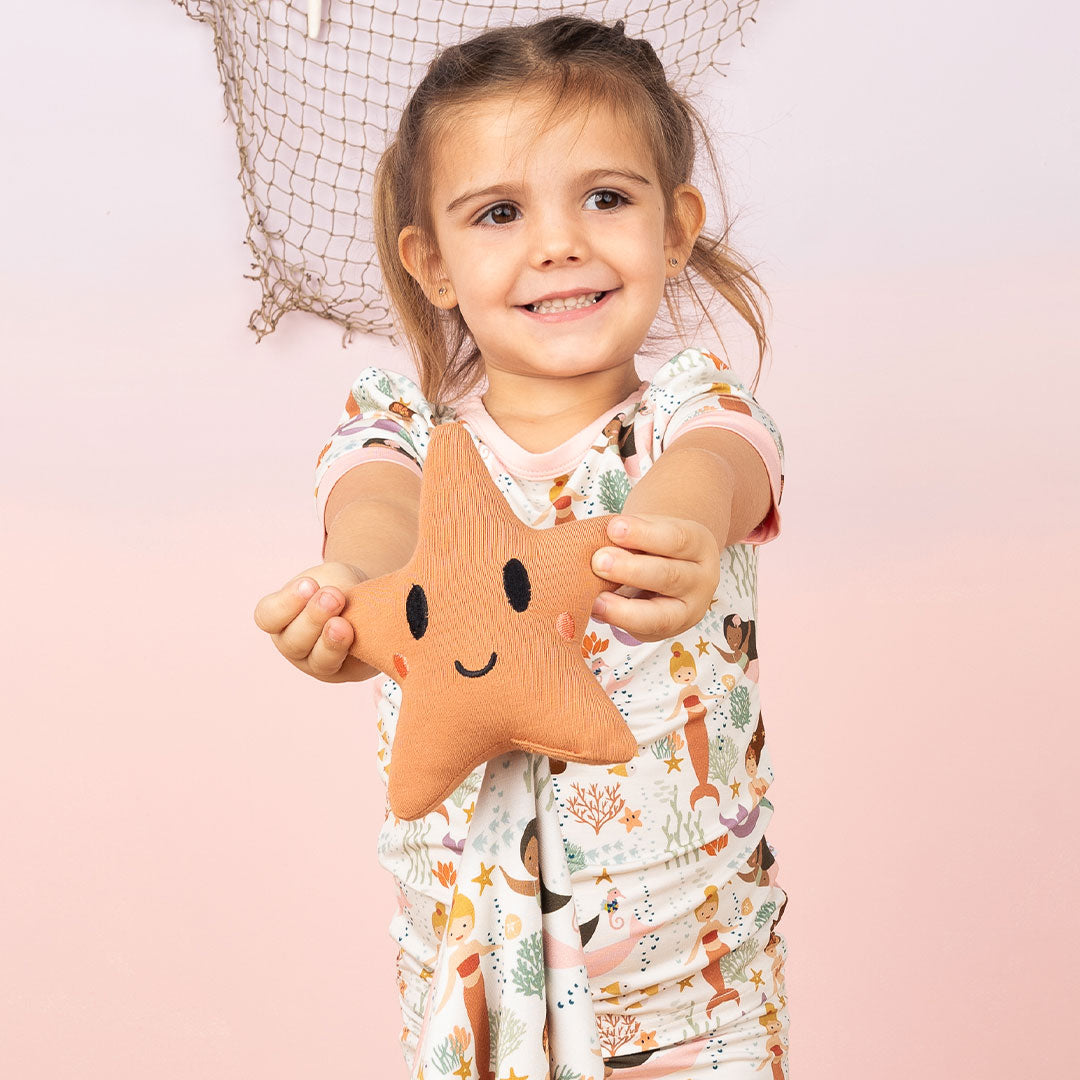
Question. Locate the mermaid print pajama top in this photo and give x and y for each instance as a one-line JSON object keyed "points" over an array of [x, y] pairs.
{"points": [[583, 921]]}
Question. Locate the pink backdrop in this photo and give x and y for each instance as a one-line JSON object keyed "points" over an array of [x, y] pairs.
{"points": [[189, 880]]}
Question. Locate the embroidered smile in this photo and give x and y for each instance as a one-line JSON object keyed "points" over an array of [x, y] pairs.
{"points": [[470, 674]]}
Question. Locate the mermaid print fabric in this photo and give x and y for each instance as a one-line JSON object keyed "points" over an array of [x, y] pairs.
{"points": [[607, 920]]}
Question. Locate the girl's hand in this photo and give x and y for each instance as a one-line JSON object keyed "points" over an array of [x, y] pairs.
{"points": [[301, 617], [668, 568]]}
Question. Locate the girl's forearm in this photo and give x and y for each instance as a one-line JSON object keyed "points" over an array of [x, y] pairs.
{"points": [[712, 476], [375, 535], [687, 483]]}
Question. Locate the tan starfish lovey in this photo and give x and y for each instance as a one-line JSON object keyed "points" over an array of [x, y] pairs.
{"points": [[482, 628]]}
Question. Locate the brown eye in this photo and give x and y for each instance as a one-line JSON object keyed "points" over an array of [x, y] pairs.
{"points": [[498, 213], [516, 585], [416, 611]]}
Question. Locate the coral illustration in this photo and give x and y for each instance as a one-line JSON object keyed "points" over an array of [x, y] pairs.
{"points": [[616, 1032], [734, 964], [683, 848], [614, 488], [592, 644], [722, 757], [764, 913], [595, 807], [507, 1032], [528, 974], [739, 701]]}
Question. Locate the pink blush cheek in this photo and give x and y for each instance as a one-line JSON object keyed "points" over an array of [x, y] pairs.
{"points": [[564, 624], [401, 665]]}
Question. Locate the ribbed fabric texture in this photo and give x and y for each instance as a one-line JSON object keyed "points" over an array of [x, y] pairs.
{"points": [[482, 678]]}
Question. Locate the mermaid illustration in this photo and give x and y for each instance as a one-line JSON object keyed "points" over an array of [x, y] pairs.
{"points": [[709, 939], [773, 1046], [741, 637], [772, 951], [619, 433], [562, 500], [465, 964], [684, 670], [758, 786]]}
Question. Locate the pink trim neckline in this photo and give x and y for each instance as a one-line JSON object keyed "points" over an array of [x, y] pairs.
{"points": [[560, 459]]}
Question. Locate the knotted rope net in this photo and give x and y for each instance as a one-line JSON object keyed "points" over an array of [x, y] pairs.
{"points": [[315, 89]]}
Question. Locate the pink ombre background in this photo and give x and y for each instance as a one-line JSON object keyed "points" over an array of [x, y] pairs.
{"points": [[188, 884]]}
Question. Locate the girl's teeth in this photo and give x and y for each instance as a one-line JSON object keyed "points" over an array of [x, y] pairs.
{"points": [[547, 306]]}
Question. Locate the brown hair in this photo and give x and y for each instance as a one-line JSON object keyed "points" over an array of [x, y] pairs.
{"points": [[568, 59], [757, 741]]}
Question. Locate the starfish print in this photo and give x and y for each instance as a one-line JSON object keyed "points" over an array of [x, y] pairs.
{"points": [[632, 820], [514, 1076], [735, 785], [469, 811], [604, 876], [674, 763], [685, 984], [484, 877], [464, 1070], [757, 980], [702, 646], [482, 629], [647, 1040]]}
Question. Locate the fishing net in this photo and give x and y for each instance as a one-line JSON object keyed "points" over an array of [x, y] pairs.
{"points": [[314, 111]]}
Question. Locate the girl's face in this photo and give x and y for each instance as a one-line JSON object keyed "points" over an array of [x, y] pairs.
{"points": [[684, 675], [751, 765], [520, 216]]}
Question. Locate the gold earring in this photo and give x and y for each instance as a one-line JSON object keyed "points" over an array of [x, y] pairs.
{"points": [[674, 262], [441, 291]]}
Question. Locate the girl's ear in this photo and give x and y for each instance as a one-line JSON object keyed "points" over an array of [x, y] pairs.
{"points": [[689, 208], [423, 263]]}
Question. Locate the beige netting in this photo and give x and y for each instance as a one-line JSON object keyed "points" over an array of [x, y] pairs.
{"points": [[313, 114]]}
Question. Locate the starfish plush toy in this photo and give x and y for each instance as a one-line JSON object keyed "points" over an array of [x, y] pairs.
{"points": [[482, 629]]}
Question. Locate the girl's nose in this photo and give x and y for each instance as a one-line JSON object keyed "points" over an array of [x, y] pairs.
{"points": [[558, 239]]}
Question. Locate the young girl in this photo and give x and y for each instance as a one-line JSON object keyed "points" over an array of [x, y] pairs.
{"points": [[531, 215]]}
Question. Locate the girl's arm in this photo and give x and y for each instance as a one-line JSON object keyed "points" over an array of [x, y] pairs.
{"points": [[708, 489], [710, 475], [372, 518]]}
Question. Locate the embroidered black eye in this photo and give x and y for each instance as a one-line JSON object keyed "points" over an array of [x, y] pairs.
{"points": [[516, 585], [416, 611]]}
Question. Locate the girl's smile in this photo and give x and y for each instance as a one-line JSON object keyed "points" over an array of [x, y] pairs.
{"points": [[585, 304]]}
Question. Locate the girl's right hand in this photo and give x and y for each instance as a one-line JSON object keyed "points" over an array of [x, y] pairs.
{"points": [[302, 619]]}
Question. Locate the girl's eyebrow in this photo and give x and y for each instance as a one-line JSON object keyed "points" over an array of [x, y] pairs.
{"points": [[583, 178]]}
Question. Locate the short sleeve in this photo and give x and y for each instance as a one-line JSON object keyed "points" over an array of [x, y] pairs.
{"points": [[696, 389], [385, 419]]}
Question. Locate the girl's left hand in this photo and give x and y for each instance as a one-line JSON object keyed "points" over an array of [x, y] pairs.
{"points": [[668, 569]]}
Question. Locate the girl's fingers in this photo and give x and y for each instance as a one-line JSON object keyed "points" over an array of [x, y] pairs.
{"points": [[657, 573], [658, 535], [330, 650], [648, 619], [297, 639], [277, 609]]}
